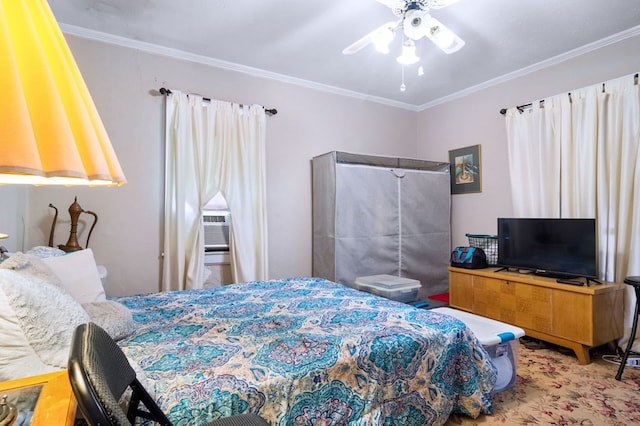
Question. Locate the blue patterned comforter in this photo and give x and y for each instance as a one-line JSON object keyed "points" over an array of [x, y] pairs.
{"points": [[305, 351]]}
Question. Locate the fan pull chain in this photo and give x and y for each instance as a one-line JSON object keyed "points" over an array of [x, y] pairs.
{"points": [[403, 87]]}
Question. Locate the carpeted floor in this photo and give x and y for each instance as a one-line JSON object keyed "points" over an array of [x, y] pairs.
{"points": [[553, 389]]}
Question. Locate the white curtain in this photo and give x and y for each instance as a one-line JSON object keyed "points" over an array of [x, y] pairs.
{"points": [[534, 160], [213, 146], [579, 156]]}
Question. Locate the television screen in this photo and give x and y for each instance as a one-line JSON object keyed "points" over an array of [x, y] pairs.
{"points": [[554, 247]]}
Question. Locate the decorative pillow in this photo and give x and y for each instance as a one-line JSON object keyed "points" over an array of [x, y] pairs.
{"points": [[45, 251], [37, 320], [78, 274], [32, 266], [113, 317]]}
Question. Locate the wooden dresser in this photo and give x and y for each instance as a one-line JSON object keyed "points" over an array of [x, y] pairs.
{"points": [[55, 405], [575, 317]]}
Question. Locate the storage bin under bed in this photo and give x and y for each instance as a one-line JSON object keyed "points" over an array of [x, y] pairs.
{"points": [[500, 340]]}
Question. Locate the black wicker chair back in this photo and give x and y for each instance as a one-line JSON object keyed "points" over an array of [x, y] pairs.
{"points": [[100, 374]]}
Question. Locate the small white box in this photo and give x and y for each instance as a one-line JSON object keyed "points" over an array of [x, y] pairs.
{"points": [[500, 340], [395, 288]]}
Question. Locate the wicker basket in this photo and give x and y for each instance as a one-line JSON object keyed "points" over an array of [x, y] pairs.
{"points": [[488, 243]]}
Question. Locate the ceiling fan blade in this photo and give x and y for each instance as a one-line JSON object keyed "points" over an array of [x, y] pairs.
{"points": [[367, 39], [439, 4], [357, 45], [443, 37], [396, 4]]}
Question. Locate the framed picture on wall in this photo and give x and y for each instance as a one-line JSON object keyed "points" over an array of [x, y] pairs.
{"points": [[465, 170]]}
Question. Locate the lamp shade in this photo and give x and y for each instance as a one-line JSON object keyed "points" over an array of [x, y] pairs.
{"points": [[50, 130], [382, 38], [443, 37], [408, 56]]}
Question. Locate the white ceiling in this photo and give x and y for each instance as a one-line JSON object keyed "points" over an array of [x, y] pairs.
{"points": [[302, 41]]}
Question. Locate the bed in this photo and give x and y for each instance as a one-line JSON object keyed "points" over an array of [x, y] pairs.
{"points": [[305, 351]]}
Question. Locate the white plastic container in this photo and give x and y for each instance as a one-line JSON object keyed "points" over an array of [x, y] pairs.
{"points": [[395, 288], [499, 339]]}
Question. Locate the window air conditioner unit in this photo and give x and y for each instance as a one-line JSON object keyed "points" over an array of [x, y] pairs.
{"points": [[216, 230]]}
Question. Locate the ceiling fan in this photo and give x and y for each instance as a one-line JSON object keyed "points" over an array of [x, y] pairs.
{"points": [[416, 23]]}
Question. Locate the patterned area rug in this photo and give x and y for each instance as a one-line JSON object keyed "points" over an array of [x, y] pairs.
{"points": [[553, 389]]}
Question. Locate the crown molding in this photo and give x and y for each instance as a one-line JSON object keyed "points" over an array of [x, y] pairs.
{"points": [[256, 72], [587, 48], [204, 60]]}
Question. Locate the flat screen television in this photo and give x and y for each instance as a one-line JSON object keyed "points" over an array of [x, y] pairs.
{"points": [[561, 248]]}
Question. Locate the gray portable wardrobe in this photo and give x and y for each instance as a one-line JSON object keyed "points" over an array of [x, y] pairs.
{"points": [[381, 215]]}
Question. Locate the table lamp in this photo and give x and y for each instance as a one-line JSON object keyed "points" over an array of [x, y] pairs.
{"points": [[50, 132]]}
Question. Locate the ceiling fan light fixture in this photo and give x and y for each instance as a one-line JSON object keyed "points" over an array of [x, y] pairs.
{"points": [[444, 38], [382, 39], [416, 24], [408, 56]]}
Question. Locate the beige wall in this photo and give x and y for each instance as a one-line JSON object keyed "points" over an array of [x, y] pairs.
{"points": [[309, 122], [12, 211], [123, 82], [475, 119]]}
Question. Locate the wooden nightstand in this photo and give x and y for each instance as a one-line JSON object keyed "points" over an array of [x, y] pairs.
{"points": [[56, 404]]}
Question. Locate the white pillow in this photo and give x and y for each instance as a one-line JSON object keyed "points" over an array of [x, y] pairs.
{"points": [[113, 317], [27, 264], [78, 274], [37, 320], [45, 251]]}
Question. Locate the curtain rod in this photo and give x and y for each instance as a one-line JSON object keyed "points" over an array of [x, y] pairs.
{"points": [[268, 111], [521, 108]]}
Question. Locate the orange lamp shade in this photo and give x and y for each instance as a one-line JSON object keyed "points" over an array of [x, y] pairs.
{"points": [[50, 130]]}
